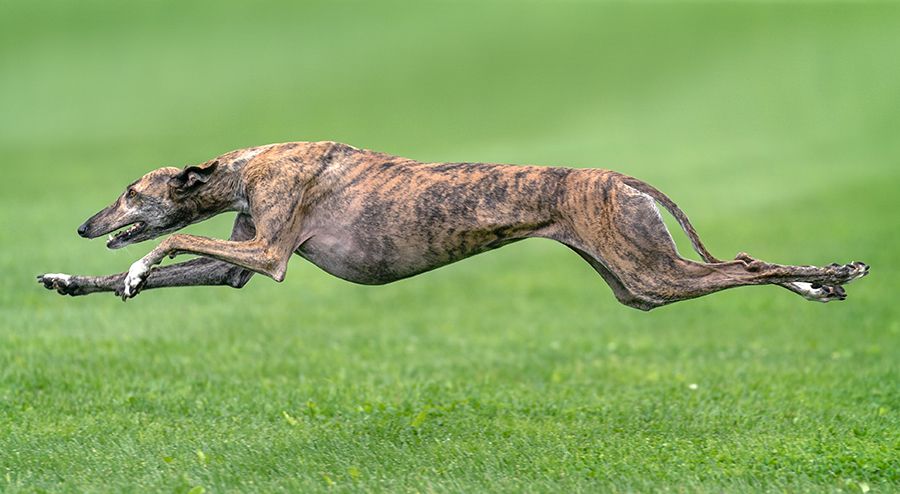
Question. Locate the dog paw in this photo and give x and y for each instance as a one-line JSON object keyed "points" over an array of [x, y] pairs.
{"points": [[858, 270], [64, 284], [135, 279], [820, 293], [847, 273]]}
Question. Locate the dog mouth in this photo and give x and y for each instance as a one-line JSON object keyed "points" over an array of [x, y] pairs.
{"points": [[123, 236]]}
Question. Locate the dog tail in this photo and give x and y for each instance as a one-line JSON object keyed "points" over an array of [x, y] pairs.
{"points": [[679, 215]]}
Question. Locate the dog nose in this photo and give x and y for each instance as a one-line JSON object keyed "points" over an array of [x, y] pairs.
{"points": [[82, 230]]}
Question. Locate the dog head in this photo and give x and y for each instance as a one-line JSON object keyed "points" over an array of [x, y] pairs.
{"points": [[160, 202]]}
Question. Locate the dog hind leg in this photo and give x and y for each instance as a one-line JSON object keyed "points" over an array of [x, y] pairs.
{"points": [[634, 252]]}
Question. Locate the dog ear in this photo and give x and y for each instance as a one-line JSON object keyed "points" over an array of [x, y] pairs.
{"points": [[192, 177]]}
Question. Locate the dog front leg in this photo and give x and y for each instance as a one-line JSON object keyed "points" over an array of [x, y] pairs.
{"points": [[254, 255], [196, 272]]}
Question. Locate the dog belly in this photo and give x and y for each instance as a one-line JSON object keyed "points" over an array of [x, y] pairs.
{"points": [[345, 258], [380, 260]]}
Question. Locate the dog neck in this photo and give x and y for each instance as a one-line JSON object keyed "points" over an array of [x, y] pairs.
{"points": [[223, 192]]}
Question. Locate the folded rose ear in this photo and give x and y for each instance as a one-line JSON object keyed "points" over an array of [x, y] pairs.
{"points": [[192, 177]]}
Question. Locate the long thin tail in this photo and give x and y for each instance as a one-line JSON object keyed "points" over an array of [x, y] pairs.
{"points": [[673, 208]]}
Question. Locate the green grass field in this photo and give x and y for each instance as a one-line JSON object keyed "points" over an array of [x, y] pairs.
{"points": [[774, 126]]}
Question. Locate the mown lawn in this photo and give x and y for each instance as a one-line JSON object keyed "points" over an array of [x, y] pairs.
{"points": [[775, 126]]}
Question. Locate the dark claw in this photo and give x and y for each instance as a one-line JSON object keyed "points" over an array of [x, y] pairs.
{"points": [[837, 292], [48, 283]]}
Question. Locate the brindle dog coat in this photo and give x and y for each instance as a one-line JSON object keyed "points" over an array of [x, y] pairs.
{"points": [[373, 218]]}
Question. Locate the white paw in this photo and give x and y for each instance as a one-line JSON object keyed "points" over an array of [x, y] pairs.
{"points": [[135, 278], [60, 278], [56, 281], [820, 293]]}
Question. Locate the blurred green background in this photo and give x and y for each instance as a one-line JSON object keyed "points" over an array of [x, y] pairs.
{"points": [[773, 125]]}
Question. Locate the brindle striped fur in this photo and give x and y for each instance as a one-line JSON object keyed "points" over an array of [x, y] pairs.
{"points": [[373, 218]]}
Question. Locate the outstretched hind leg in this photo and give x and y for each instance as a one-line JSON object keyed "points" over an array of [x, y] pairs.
{"points": [[679, 279], [636, 255]]}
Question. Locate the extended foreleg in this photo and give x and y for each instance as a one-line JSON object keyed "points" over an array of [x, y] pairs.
{"points": [[252, 255], [195, 272]]}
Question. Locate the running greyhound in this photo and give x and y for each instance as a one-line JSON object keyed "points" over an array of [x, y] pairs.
{"points": [[373, 218]]}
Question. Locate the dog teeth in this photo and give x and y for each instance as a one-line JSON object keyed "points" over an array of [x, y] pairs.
{"points": [[131, 229]]}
